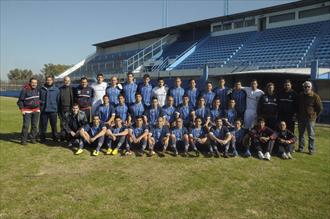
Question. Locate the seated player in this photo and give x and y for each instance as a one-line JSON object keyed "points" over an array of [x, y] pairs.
{"points": [[106, 112], [238, 139], [285, 140], [198, 135], [185, 111], [219, 138], [169, 111], [153, 113], [262, 139], [121, 109], [137, 109], [202, 111], [93, 135], [179, 137], [138, 135], [159, 136], [116, 137], [74, 121]]}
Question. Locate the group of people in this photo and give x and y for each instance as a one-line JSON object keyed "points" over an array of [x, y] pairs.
{"points": [[218, 120]]}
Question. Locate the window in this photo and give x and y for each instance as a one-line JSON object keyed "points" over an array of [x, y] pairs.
{"points": [[314, 12], [282, 17], [217, 28], [227, 26], [249, 23], [238, 24]]}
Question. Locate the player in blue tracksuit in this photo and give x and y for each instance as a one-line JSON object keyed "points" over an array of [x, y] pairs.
{"points": [[105, 111], [129, 89], [239, 95], [138, 136], [153, 113], [113, 91], [185, 111], [193, 93], [146, 91], [202, 111], [116, 137], [136, 109], [177, 92], [122, 110], [179, 136], [220, 136], [216, 111], [169, 111], [230, 115], [93, 135], [223, 93], [159, 136], [209, 95]]}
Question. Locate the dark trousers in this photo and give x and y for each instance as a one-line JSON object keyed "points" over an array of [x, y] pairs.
{"points": [[44, 117], [87, 112], [271, 122], [262, 146], [27, 119], [61, 115], [284, 148], [288, 119]]}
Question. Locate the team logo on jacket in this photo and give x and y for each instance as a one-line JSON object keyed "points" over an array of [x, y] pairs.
{"points": [[87, 92], [78, 91], [266, 99]]}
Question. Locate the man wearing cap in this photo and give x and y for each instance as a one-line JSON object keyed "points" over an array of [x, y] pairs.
{"points": [[310, 107]]}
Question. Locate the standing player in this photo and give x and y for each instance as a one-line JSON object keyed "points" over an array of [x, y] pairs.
{"points": [[93, 135], [268, 106], [239, 95], [138, 136], [223, 93], [192, 93], [83, 95], [29, 105], [99, 91], [113, 91], [220, 137], [209, 95], [146, 91], [159, 137], [49, 97], [160, 92], [177, 92], [179, 137], [287, 105], [130, 89], [253, 95]]}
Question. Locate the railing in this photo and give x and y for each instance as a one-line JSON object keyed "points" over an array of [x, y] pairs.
{"points": [[162, 66], [147, 53]]}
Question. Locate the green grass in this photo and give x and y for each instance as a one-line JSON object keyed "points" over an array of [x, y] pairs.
{"points": [[40, 181]]}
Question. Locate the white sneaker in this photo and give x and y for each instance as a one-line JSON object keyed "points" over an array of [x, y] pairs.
{"points": [[261, 155], [267, 156], [285, 156], [289, 155]]}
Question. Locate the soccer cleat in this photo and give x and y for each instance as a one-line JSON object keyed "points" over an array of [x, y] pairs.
{"points": [[151, 153], [109, 151], [284, 156], [115, 151], [216, 153], [79, 151], [70, 144], [225, 155], [235, 154], [261, 155], [128, 153], [247, 153], [176, 153], [289, 155], [96, 153], [267, 156]]}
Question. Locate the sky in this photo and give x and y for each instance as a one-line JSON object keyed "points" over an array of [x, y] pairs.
{"points": [[34, 33]]}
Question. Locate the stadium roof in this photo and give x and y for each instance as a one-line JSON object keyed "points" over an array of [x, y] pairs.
{"points": [[204, 23]]}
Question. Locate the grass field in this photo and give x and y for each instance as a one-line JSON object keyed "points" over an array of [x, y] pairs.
{"points": [[48, 181]]}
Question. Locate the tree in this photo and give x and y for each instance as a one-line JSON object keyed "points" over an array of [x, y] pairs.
{"points": [[52, 69], [19, 74]]}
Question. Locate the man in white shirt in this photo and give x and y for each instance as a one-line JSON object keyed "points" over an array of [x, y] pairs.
{"points": [[99, 91], [160, 92], [253, 95]]}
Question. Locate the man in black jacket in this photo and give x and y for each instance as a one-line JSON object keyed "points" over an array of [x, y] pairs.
{"points": [[29, 105], [83, 95], [65, 102], [72, 124]]}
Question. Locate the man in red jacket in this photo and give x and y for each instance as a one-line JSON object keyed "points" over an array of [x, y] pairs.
{"points": [[29, 105]]}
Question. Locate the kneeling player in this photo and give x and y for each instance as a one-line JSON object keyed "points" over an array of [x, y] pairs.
{"points": [[159, 137], [93, 134], [179, 136], [220, 137], [138, 135], [285, 141], [116, 137]]}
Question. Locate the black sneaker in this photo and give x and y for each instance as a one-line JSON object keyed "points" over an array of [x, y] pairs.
{"points": [[225, 155], [216, 153]]}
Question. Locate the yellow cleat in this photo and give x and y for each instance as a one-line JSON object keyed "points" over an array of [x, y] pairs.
{"points": [[115, 151], [109, 151], [96, 153], [79, 151]]}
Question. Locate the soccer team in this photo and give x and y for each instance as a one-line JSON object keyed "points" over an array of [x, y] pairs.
{"points": [[217, 120]]}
